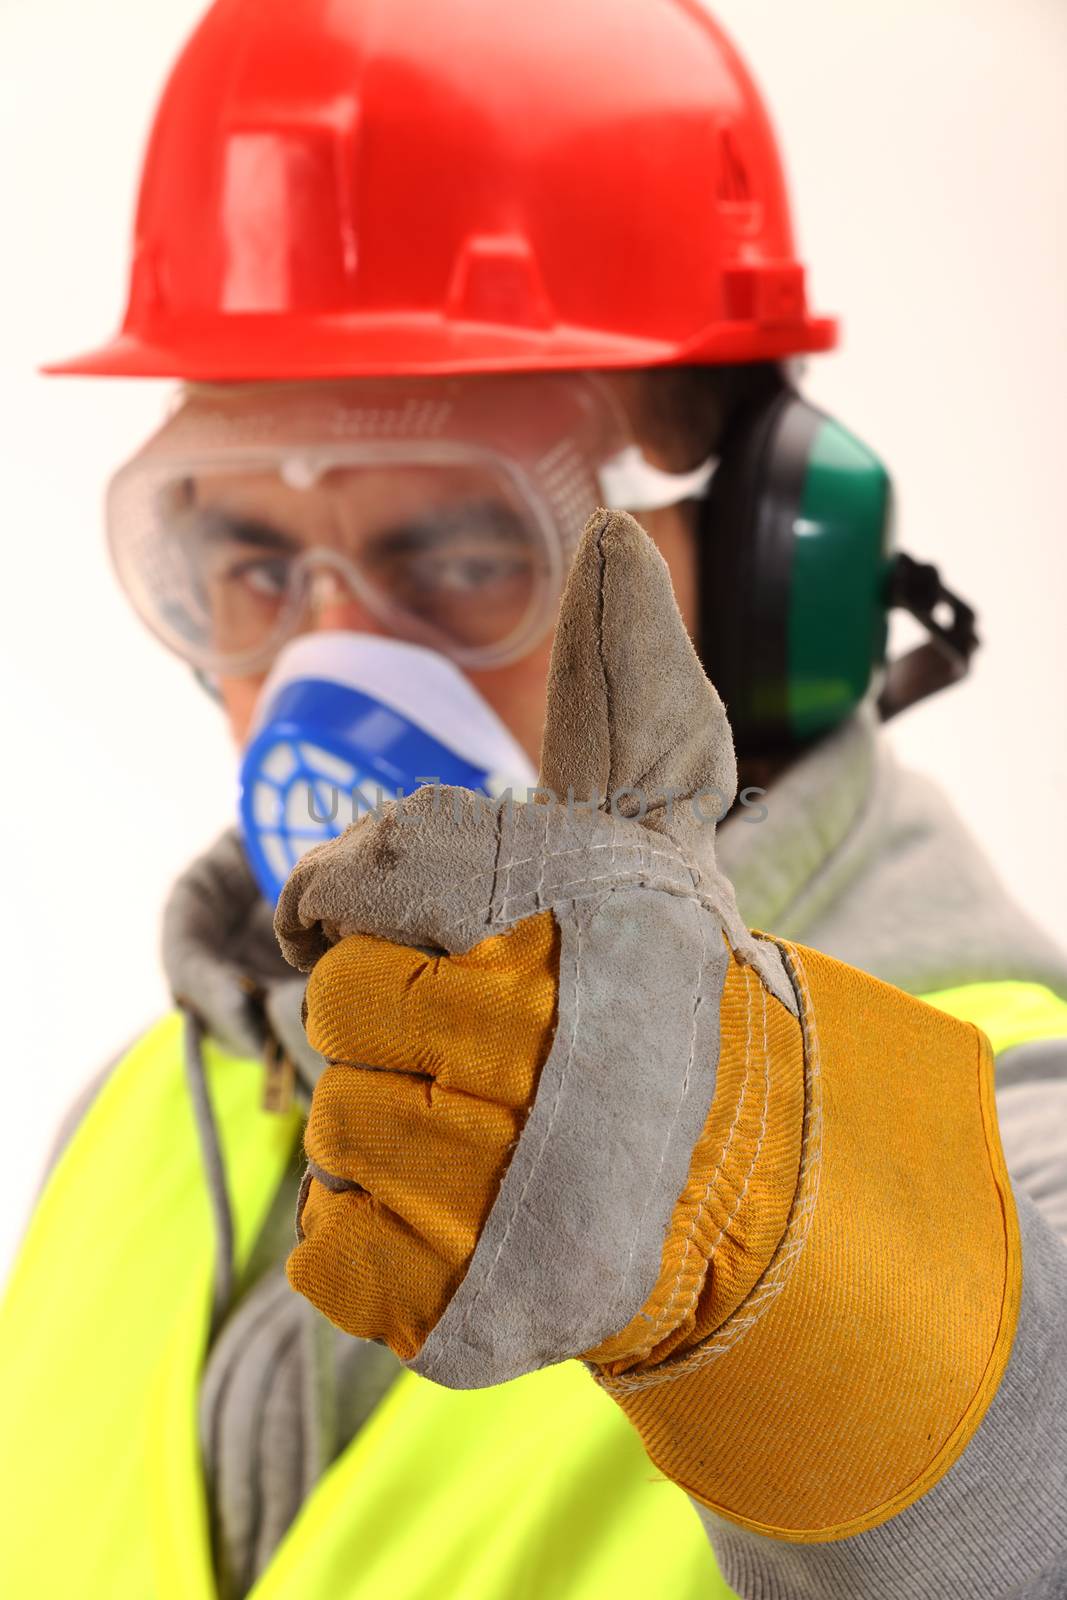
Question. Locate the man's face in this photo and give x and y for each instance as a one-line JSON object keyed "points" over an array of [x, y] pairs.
{"points": [[438, 556]]}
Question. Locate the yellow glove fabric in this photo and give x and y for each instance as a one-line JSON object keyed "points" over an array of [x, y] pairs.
{"points": [[434, 1061], [841, 1216]]}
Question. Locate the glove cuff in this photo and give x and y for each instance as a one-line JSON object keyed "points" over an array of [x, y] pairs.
{"points": [[853, 1372]]}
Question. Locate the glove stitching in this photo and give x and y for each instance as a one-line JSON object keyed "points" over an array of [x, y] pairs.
{"points": [[538, 887], [755, 1154], [498, 852], [663, 1323], [609, 699], [635, 875], [798, 1228], [789, 1252], [590, 849], [512, 864], [503, 911], [762, 1131], [564, 892]]}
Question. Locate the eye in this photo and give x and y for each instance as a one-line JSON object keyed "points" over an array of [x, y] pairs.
{"points": [[266, 577], [476, 552], [465, 571]]}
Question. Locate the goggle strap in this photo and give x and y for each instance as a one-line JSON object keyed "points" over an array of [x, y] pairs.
{"points": [[629, 482]]}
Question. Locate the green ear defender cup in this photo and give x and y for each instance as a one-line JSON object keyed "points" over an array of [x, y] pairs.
{"points": [[795, 569], [838, 620]]}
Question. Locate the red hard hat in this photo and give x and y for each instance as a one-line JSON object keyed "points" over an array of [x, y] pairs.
{"points": [[383, 187]]}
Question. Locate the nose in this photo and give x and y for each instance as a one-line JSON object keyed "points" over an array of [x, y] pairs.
{"points": [[334, 606]]}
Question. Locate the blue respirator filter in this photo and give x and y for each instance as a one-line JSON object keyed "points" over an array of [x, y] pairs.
{"points": [[347, 720]]}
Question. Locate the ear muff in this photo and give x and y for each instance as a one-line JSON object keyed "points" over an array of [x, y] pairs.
{"points": [[795, 568]]}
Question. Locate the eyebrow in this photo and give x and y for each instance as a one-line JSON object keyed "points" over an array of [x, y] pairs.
{"points": [[482, 516], [219, 527]]}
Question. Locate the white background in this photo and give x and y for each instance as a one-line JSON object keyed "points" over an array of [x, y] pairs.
{"points": [[925, 143]]}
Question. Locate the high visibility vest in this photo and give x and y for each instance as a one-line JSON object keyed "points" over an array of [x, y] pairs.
{"points": [[536, 1488]]}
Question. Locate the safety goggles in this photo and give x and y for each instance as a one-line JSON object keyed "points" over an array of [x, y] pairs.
{"points": [[447, 510]]}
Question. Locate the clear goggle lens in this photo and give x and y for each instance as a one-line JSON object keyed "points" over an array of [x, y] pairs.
{"points": [[228, 570], [447, 511]]}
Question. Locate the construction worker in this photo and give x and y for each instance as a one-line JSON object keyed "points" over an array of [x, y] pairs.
{"points": [[636, 1186]]}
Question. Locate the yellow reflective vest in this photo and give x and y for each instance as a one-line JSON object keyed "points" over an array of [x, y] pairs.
{"points": [[539, 1487]]}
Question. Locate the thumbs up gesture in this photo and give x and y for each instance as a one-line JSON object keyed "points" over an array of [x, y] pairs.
{"points": [[519, 1004], [573, 1107]]}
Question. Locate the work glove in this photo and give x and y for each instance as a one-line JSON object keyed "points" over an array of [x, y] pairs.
{"points": [[573, 1107]]}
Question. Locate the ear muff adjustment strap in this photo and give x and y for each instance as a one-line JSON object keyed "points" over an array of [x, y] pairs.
{"points": [[945, 657]]}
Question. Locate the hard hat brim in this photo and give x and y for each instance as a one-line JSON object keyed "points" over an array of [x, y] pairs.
{"points": [[224, 350]]}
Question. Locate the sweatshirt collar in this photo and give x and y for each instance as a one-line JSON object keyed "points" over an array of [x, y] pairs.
{"points": [[773, 848]]}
